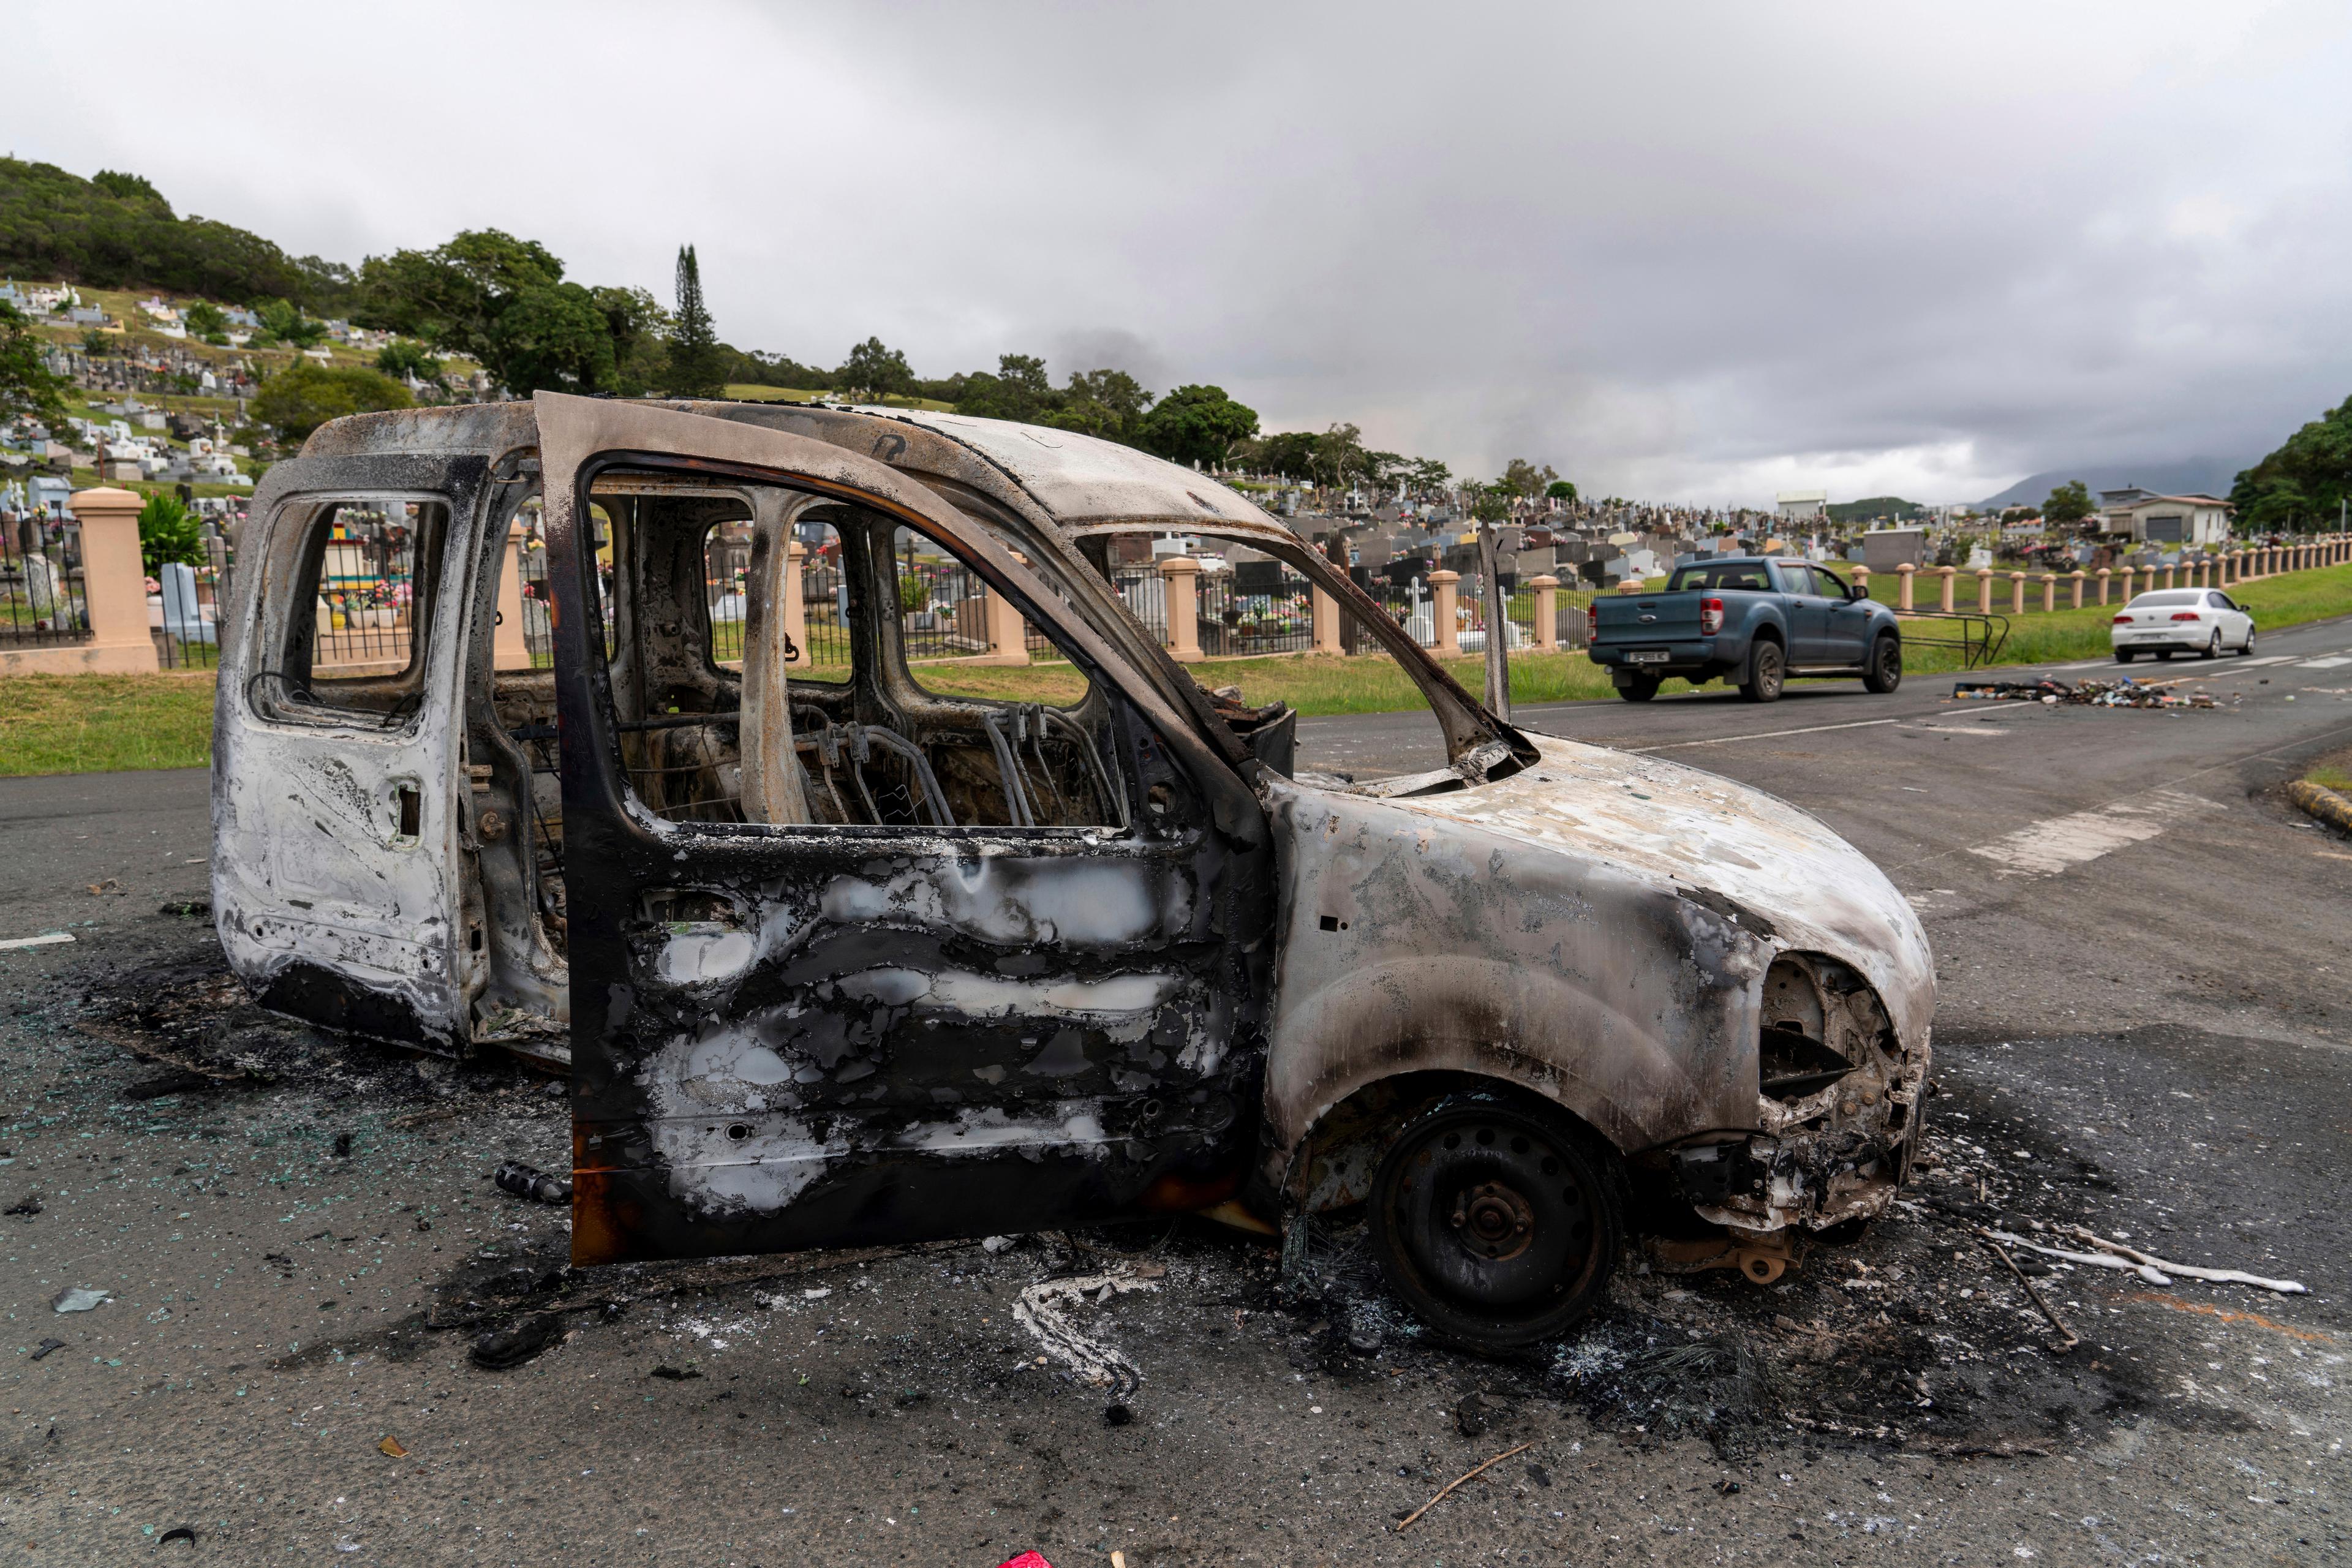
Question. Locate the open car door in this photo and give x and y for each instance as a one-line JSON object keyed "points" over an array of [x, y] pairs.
{"points": [[852, 963]]}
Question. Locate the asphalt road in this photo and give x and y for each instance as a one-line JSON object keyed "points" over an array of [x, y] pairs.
{"points": [[2143, 1029]]}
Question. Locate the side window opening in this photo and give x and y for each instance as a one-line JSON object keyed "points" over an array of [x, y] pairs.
{"points": [[351, 597], [870, 744]]}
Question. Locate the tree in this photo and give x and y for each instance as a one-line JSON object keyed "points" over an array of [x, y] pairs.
{"points": [[284, 320], [116, 231], [168, 532], [1429, 474], [552, 338], [1018, 389], [1492, 502], [27, 385], [303, 396], [208, 321], [1338, 456], [1290, 453], [2304, 483], [2069, 504], [1196, 424], [1524, 478], [640, 330], [873, 372], [1106, 403], [1560, 489], [404, 357], [453, 297], [696, 367]]}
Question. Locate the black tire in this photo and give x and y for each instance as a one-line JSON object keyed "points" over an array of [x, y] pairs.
{"points": [[1884, 672], [2213, 648], [2163, 654], [1767, 671], [2247, 651], [1497, 1221], [2125, 656], [1638, 691]]}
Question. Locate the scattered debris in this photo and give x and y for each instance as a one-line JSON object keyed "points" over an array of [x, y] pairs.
{"points": [[390, 1448], [187, 907], [995, 1244], [526, 1183], [179, 1081], [28, 1205], [2328, 805], [516, 1342], [16, 941], [101, 889], [675, 1375], [1041, 1311], [177, 1533], [1406, 1522], [2154, 1270], [1030, 1560], [2071, 1338], [1474, 1414], [1118, 1415], [45, 1347], [79, 1298], [2124, 692]]}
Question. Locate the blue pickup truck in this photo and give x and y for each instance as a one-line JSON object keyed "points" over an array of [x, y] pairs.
{"points": [[1750, 619]]}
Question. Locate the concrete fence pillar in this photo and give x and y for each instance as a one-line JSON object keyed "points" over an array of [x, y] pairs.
{"points": [[796, 604], [2049, 591], [114, 593], [509, 648], [1181, 576], [1325, 621], [2105, 577], [1546, 592], [1445, 588], [2017, 592], [2228, 567], [2075, 577], [1945, 595], [2271, 560], [2123, 580], [1984, 590], [1904, 574], [1861, 578]]}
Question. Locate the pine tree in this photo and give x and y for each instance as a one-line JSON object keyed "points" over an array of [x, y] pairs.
{"points": [[697, 364]]}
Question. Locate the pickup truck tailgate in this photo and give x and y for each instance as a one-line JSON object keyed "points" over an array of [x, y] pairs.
{"points": [[1638, 618]]}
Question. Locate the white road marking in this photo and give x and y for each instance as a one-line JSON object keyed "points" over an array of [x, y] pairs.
{"points": [[2272, 659], [14, 942], [2331, 662], [1767, 735], [1980, 729], [2046, 848]]}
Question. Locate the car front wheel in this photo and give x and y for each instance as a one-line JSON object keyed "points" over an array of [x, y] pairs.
{"points": [[1495, 1221], [2246, 649], [1883, 673], [1767, 671]]}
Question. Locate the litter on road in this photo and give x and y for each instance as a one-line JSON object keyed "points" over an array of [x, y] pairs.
{"points": [[2052, 691], [1042, 1310], [77, 1299], [524, 1181], [2154, 1270], [1406, 1521], [51, 940]]}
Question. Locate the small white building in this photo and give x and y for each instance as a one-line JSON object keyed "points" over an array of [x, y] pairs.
{"points": [[2196, 521], [1796, 504]]}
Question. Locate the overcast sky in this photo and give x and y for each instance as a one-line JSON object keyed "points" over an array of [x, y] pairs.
{"points": [[1679, 251]]}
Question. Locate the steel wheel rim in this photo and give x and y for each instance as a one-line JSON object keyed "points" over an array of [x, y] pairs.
{"points": [[1493, 1218]]}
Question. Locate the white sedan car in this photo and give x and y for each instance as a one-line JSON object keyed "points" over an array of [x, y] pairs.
{"points": [[2202, 621]]}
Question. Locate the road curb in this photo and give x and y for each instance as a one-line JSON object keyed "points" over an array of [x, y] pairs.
{"points": [[2319, 801]]}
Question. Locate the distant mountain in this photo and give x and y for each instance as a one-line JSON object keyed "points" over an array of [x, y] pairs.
{"points": [[2187, 475]]}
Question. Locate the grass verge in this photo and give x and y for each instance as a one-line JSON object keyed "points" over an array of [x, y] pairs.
{"points": [[104, 723]]}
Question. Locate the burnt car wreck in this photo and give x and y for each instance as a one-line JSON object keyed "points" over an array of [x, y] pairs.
{"points": [[834, 953]]}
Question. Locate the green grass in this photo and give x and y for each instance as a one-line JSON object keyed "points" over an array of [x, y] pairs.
{"points": [[104, 723], [99, 723]]}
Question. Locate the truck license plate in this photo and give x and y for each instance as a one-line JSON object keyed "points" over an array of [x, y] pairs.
{"points": [[1647, 655]]}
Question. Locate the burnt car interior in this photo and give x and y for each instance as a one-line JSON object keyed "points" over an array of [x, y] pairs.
{"points": [[871, 742]]}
